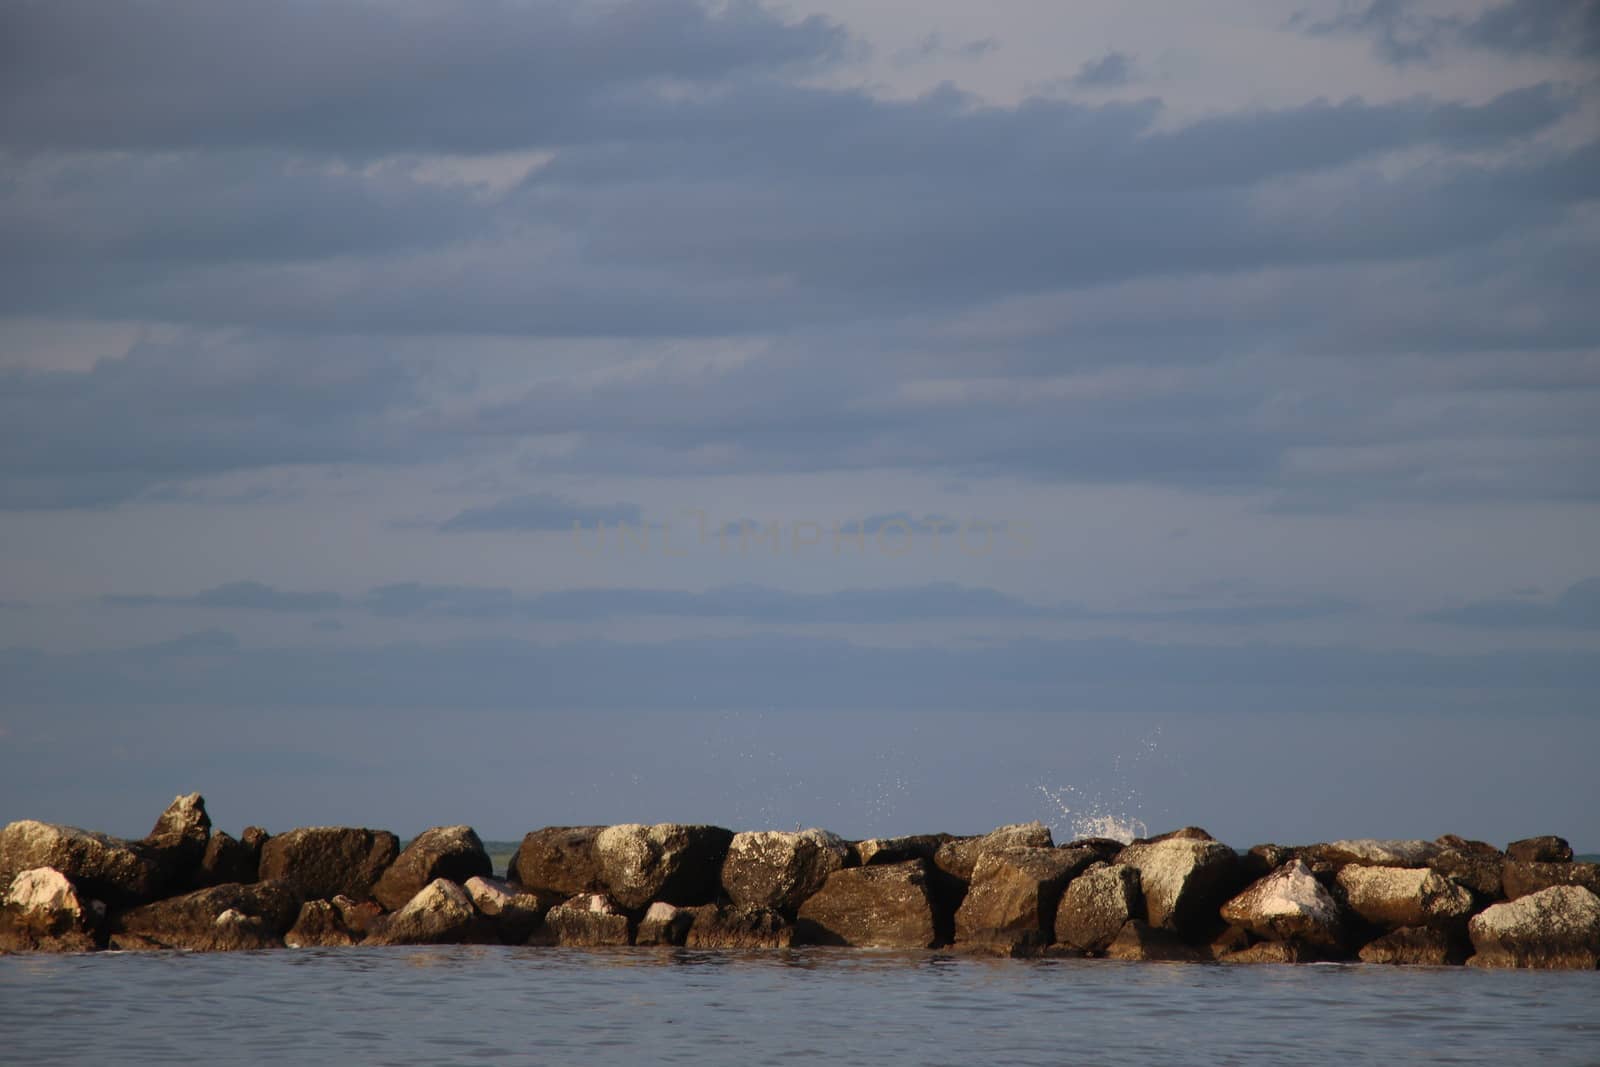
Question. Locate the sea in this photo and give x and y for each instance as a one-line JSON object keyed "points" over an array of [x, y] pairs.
{"points": [[477, 1005]]}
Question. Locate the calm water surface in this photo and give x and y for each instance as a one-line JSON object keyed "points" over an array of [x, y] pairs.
{"points": [[526, 1006]]}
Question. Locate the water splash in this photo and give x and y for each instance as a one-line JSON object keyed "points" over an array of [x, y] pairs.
{"points": [[1109, 812]]}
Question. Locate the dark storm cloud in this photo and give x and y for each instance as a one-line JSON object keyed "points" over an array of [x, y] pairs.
{"points": [[1578, 608], [1108, 72], [539, 511]]}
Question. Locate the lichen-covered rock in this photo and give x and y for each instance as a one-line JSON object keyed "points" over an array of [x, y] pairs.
{"points": [[668, 862], [1520, 878], [453, 853], [1288, 905], [101, 867], [228, 860], [780, 869], [960, 856], [878, 906], [664, 924], [1415, 946], [1011, 904], [1555, 928], [320, 925], [181, 833], [588, 920], [321, 862], [738, 926], [193, 921], [877, 851], [1096, 905], [440, 914], [1370, 852], [1185, 880], [1546, 849], [516, 913], [42, 912], [1138, 940], [557, 859], [1391, 897]]}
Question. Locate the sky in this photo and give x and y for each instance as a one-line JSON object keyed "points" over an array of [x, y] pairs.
{"points": [[894, 419]]}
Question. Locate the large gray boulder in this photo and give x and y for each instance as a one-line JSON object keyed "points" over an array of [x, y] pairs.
{"points": [[1185, 880], [1520, 878], [1392, 897], [738, 926], [668, 862], [261, 913], [441, 913], [100, 867], [1011, 903], [322, 862], [451, 852], [559, 860], [878, 906], [42, 912], [1096, 905], [779, 869], [1288, 905], [1555, 928]]}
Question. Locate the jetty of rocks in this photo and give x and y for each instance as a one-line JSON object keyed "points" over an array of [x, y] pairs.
{"points": [[1179, 897]]}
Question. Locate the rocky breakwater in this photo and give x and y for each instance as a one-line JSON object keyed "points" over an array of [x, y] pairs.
{"points": [[1179, 897]]}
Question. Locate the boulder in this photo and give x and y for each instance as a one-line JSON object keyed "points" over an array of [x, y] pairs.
{"points": [[664, 924], [254, 837], [180, 836], [321, 862], [1276, 952], [1187, 833], [100, 867], [1262, 860], [1185, 880], [890, 850], [228, 860], [1520, 879], [453, 853], [1138, 940], [1417, 946], [1547, 849], [1288, 905], [1096, 905], [360, 917], [587, 920], [1011, 903], [515, 912], [441, 913], [738, 926], [194, 921], [1391, 897], [878, 906], [1471, 864], [42, 912], [1555, 928], [668, 862], [319, 926], [780, 869], [557, 859], [1106, 849], [959, 856], [1232, 939], [1370, 852]]}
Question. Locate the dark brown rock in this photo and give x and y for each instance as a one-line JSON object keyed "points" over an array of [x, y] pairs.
{"points": [[879, 851], [736, 926], [1187, 833], [42, 912], [588, 920], [1011, 903], [664, 924], [1555, 928], [1276, 952], [1096, 905], [228, 860], [1457, 843], [1140, 941], [959, 856], [195, 921], [1547, 849], [878, 906], [450, 852], [668, 862], [1474, 869], [1371, 852], [321, 862], [360, 917], [1262, 860], [557, 859], [1521, 878], [99, 867], [515, 913], [440, 913], [319, 926], [181, 833], [778, 869], [1417, 946]]}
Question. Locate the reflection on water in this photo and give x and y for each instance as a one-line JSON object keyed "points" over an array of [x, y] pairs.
{"points": [[520, 1006]]}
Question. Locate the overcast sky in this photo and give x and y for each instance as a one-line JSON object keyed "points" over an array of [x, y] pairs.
{"points": [[836, 413]]}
